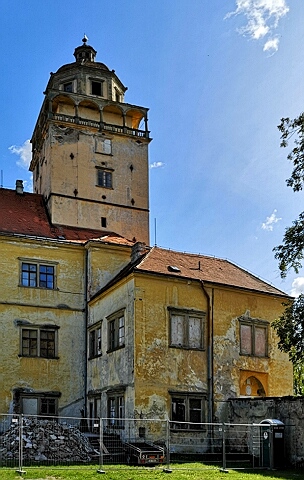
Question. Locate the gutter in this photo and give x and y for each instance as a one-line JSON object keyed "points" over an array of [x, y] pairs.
{"points": [[210, 303]]}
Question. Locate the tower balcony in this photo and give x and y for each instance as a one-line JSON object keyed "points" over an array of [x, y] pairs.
{"points": [[101, 126]]}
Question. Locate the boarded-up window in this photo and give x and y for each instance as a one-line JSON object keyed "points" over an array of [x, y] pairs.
{"points": [[177, 330], [246, 339], [103, 145], [187, 329], [260, 341], [253, 338]]}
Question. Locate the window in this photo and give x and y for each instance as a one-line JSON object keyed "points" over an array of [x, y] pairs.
{"points": [[68, 87], [48, 406], [37, 275], [116, 331], [104, 222], [39, 404], [104, 178], [187, 410], [103, 145], [95, 342], [38, 342], [116, 408], [97, 88], [253, 337], [187, 329]]}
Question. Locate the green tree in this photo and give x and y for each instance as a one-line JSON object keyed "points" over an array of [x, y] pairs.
{"points": [[290, 254], [290, 330]]}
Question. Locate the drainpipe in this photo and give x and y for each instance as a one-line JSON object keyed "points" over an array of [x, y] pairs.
{"points": [[210, 303], [86, 282]]}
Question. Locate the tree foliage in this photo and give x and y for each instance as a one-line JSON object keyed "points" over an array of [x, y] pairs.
{"points": [[291, 252], [290, 330]]}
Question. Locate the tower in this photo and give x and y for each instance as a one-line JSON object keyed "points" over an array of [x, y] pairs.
{"points": [[90, 150]]}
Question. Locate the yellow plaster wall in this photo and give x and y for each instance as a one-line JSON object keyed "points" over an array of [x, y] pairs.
{"points": [[230, 368], [115, 368], [125, 205], [105, 261], [158, 367], [62, 307]]}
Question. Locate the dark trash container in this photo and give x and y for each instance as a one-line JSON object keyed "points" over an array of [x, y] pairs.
{"points": [[272, 443]]}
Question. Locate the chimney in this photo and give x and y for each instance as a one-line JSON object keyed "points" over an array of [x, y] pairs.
{"points": [[19, 187], [138, 250]]}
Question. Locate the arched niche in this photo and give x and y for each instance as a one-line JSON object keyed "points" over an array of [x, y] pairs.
{"points": [[64, 105], [134, 118], [89, 110], [113, 115], [252, 387]]}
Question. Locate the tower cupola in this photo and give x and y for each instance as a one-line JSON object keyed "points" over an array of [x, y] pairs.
{"points": [[85, 53]]}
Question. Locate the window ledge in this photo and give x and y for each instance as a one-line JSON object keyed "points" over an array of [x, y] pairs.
{"points": [[251, 355], [116, 348], [182, 347], [38, 288], [36, 356], [91, 357]]}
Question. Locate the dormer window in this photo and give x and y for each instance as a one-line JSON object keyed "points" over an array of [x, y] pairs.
{"points": [[97, 88]]}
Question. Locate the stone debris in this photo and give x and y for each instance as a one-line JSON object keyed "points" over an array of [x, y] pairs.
{"points": [[45, 440]]}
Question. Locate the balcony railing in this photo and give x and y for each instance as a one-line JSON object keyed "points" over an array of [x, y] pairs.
{"points": [[101, 125]]}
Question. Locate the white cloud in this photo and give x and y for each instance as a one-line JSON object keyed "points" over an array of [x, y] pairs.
{"points": [[157, 165], [24, 152], [297, 287], [262, 18], [270, 221], [272, 45]]}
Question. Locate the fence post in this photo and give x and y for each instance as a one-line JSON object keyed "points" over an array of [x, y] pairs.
{"points": [[224, 469], [20, 459], [167, 469], [100, 470]]}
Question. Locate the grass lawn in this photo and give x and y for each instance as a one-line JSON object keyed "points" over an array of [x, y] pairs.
{"points": [[179, 472]]}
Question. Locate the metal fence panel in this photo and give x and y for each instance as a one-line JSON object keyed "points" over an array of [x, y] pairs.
{"points": [[27, 441]]}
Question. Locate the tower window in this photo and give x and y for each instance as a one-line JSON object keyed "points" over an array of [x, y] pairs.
{"points": [[103, 222], [68, 87], [103, 145], [96, 88], [104, 178], [117, 95]]}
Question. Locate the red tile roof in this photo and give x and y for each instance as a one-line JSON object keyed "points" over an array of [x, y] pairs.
{"points": [[200, 267], [26, 214]]}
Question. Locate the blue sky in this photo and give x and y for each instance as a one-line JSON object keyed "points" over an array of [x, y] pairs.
{"points": [[217, 76]]}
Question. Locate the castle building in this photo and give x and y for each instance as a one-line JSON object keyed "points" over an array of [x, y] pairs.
{"points": [[92, 317]]}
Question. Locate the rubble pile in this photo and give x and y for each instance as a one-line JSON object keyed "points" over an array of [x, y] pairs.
{"points": [[44, 440]]}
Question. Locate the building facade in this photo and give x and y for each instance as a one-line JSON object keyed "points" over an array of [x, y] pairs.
{"points": [[95, 320]]}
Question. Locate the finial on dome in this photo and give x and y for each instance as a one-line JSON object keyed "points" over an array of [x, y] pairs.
{"points": [[85, 39]]}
